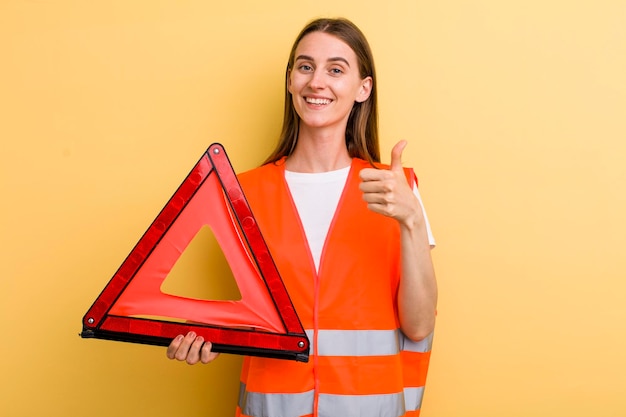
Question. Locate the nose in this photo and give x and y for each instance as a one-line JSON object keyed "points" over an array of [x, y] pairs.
{"points": [[317, 81]]}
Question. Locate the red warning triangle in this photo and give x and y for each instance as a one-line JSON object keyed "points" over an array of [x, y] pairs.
{"points": [[132, 307]]}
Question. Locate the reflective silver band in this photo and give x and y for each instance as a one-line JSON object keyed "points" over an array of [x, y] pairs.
{"points": [[357, 342], [366, 342], [424, 345], [295, 405], [381, 405], [413, 398], [257, 404]]}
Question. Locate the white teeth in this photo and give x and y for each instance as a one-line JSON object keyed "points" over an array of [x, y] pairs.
{"points": [[318, 100]]}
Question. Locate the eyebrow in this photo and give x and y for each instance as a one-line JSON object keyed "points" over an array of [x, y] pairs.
{"points": [[333, 59]]}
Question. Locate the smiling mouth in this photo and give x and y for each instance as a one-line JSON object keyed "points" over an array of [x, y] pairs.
{"points": [[317, 101]]}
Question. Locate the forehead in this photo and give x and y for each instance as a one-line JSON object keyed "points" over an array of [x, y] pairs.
{"points": [[321, 46]]}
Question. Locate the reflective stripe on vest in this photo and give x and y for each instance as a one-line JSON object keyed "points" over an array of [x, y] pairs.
{"points": [[366, 342], [295, 405], [356, 342], [423, 346], [413, 398], [256, 404], [382, 405]]}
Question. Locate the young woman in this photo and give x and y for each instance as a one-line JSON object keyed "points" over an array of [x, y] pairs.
{"points": [[350, 239]]}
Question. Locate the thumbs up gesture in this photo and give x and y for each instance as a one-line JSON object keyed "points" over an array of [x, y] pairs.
{"points": [[387, 191]]}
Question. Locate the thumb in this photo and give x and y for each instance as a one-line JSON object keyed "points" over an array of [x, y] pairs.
{"points": [[396, 155]]}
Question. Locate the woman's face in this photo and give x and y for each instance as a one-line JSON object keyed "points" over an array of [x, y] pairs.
{"points": [[325, 81]]}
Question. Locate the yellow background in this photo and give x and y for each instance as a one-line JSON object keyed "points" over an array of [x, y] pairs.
{"points": [[515, 114]]}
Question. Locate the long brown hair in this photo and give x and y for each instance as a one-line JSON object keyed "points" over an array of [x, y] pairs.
{"points": [[362, 127]]}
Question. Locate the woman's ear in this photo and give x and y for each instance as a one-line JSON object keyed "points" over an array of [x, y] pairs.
{"points": [[365, 90]]}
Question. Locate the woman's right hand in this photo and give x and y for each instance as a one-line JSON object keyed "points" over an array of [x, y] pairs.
{"points": [[191, 349]]}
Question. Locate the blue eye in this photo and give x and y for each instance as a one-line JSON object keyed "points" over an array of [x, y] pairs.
{"points": [[305, 67]]}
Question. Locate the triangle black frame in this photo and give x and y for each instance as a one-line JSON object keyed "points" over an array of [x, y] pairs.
{"points": [[292, 344]]}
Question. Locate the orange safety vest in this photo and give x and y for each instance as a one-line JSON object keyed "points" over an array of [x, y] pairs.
{"points": [[361, 364]]}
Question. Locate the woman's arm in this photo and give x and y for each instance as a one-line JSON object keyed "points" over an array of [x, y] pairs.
{"points": [[387, 192]]}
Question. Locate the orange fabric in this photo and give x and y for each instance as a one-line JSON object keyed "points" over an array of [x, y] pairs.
{"points": [[419, 362], [378, 375], [355, 289], [284, 376]]}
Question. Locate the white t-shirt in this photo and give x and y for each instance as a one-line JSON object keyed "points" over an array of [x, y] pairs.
{"points": [[316, 196]]}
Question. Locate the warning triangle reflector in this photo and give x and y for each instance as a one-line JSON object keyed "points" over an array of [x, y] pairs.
{"points": [[132, 307]]}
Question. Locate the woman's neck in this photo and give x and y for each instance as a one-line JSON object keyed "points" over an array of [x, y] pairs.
{"points": [[318, 153]]}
